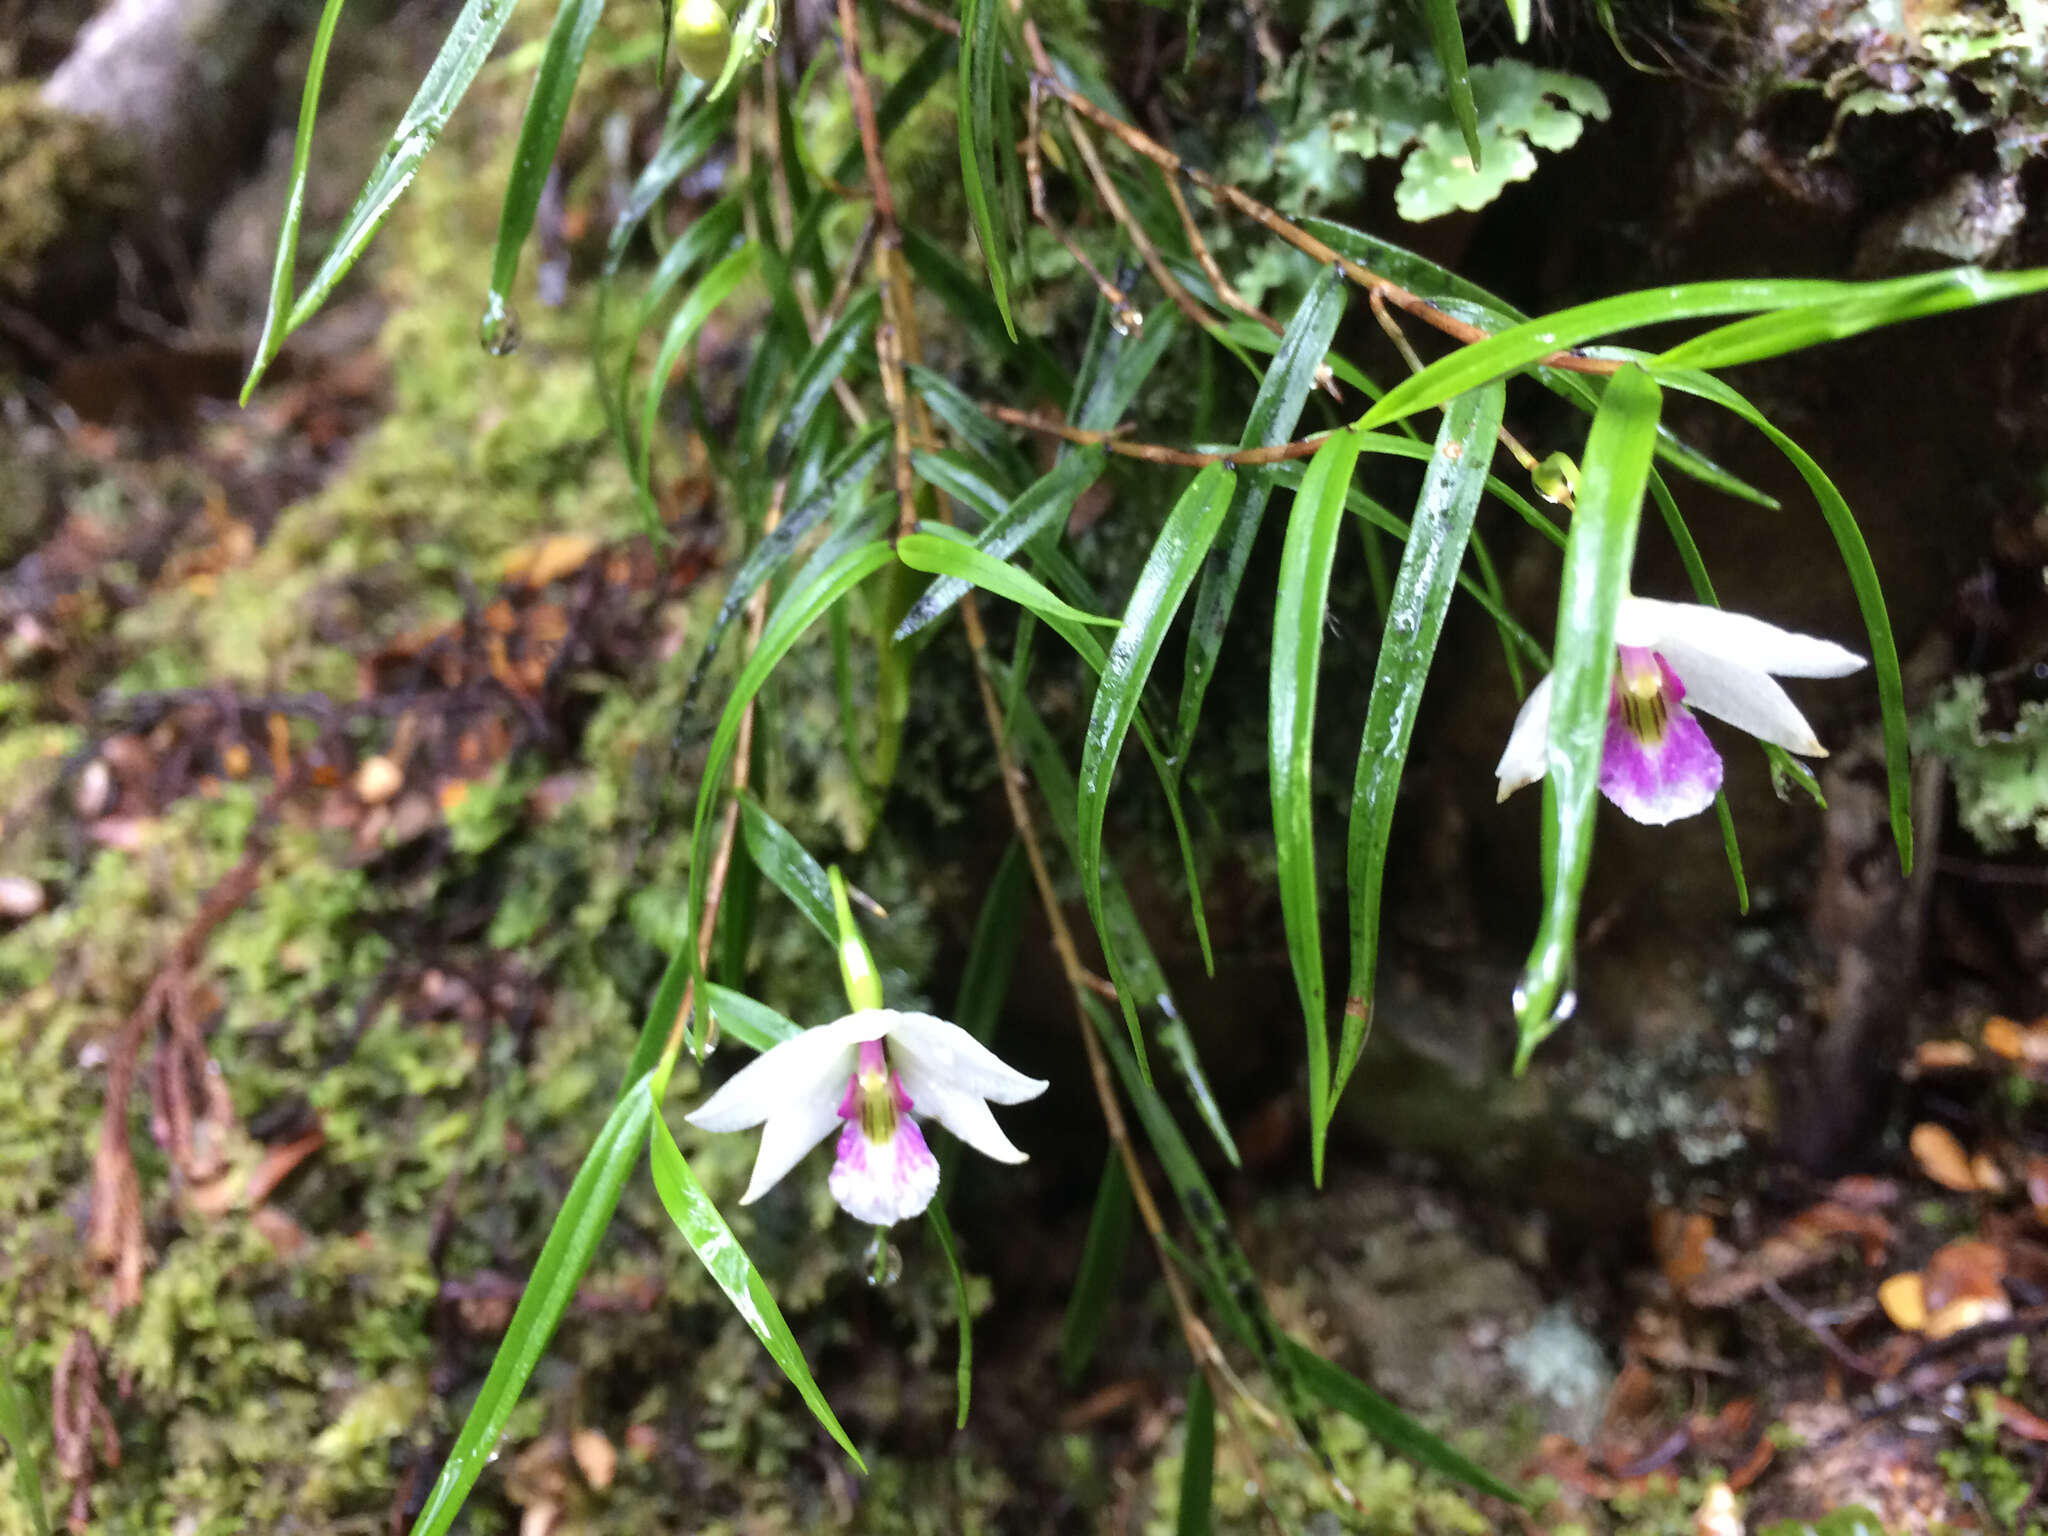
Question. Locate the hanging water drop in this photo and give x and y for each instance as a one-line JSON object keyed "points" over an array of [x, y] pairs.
{"points": [[499, 331], [884, 1260]]}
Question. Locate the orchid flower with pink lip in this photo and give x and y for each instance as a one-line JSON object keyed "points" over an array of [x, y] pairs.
{"points": [[1674, 658], [868, 1073]]}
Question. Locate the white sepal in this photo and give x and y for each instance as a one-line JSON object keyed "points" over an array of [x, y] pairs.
{"points": [[1731, 637], [792, 1070], [945, 1053], [965, 1114], [1744, 697], [1522, 762]]}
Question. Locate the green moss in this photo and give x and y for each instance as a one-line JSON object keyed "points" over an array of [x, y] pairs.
{"points": [[63, 182]]}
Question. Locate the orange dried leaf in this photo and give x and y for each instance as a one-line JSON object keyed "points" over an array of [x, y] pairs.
{"points": [[1944, 1055], [1941, 1157], [1904, 1299], [2004, 1037], [596, 1457], [1989, 1176]]}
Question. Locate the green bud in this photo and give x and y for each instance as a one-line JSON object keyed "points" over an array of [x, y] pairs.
{"points": [[1556, 478], [703, 37]]}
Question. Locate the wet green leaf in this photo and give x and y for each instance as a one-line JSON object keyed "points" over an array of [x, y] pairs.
{"points": [[1275, 410], [1102, 1261], [727, 1263], [1169, 570], [984, 121], [1301, 601], [540, 133], [935, 1217], [788, 865], [1447, 37], [585, 1214], [1599, 554], [817, 373], [1444, 512], [1884, 650], [471, 36], [284, 264]]}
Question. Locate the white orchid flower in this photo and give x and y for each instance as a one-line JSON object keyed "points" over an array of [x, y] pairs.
{"points": [[871, 1070], [1674, 658]]}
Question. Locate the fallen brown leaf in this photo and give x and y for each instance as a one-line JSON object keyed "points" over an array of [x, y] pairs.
{"points": [[1941, 1157]]}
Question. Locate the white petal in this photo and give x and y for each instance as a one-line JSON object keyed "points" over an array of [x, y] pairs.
{"points": [[790, 1071], [1734, 637], [945, 1053], [965, 1114], [1528, 743], [789, 1133], [1743, 696]]}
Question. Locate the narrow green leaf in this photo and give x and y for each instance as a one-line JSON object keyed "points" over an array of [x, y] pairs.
{"points": [[1275, 410], [1447, 38], [469, 42], [935, 1214], [841, 481], [951, 473], [540, 133], [1518, 13], [788, 865], [817, 373], [1444, 512], [1144, 979], [711, 233], [1223, 1269], [1044, 505], [936, 555], [1177, 554], [1859, 307], [941, 276], [799, 609], [712, 290], [18, 1433], [727, 1262], [738, 914], [984, 84], [992, 953], [1732, 849], [1197, 1460], [1338, 1388], [585, 1214], [283, 266], [1371, 513], [1102, 1262], [1519, 346], [1598, 556], [692, 128], [971, 427], [1884, 650], [1117, 367], [753, 1024], [1468, 301], [1301, 600]]}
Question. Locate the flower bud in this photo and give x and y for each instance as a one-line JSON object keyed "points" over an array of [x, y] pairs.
{"points": [[703, 37]]}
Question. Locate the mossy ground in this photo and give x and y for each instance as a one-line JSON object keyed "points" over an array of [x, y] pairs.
{"points": [[452, 1007]]}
